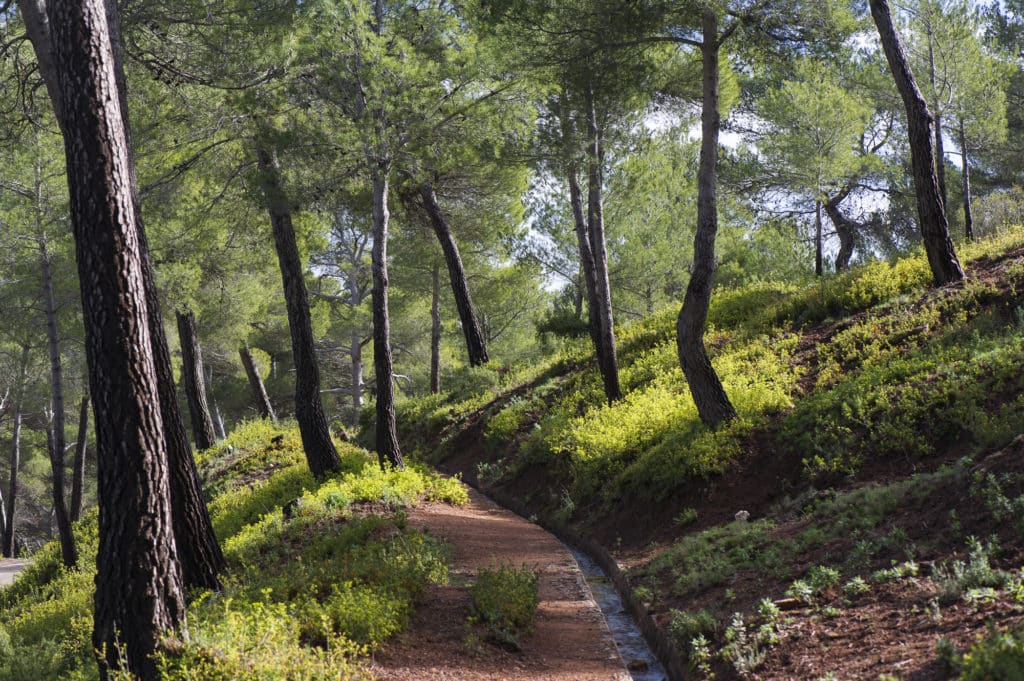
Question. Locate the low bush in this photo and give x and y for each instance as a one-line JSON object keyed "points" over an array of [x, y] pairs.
{"points": [[504, 601]]}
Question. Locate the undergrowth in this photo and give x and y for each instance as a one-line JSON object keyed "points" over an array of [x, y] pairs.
{"points": [[319, 574]]}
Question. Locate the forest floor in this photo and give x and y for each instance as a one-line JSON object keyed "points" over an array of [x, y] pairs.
{"points": [[9, 569], [570, 641]]}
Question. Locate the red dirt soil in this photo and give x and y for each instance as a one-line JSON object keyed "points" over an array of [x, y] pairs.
{"points": [[571, 641]]}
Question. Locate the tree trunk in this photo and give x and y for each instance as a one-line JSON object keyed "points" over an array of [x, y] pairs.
{"points": [[388, 450], [966, 171], [940, 155], [12, 489], [595, 220], [475, 343], [708, 394], [194, 381], [435, 331], [846, 229], [198, 551], [68, 551], [259, 391], [218, 420], [55, 433], [355, 353], [138, 584], [586, 263], [78, 466], [819, 266], [930, 208], [309, 411]]}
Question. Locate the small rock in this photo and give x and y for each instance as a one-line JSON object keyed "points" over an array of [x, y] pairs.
{"points": [[742, 516]]}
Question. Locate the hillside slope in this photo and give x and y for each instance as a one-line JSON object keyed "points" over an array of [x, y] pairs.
{"points": [[871, 486]]}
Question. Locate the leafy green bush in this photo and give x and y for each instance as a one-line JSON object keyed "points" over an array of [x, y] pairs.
{"points": [[504, 600], [997, 657]]}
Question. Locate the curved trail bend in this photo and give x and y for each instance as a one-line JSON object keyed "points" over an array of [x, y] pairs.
{"points": [[570, 642]]}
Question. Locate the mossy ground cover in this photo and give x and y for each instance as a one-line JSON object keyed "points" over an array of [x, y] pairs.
{"points": [[319, 574], [858, 399]]}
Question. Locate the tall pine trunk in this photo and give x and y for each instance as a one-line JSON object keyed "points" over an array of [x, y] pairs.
{"points": [[586, 264], [819, 261], [12, 488], [259, 390], [966, 172], [78, 465], [139, 595], [309, 411], [931, 211], [602, 288], [194, 381], [55, 432], [435, 330], [475, 343], [713, 404], [388, 450]]}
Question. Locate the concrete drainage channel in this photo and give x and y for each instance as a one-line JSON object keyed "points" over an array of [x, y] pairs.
{"points": [[640, 661]]}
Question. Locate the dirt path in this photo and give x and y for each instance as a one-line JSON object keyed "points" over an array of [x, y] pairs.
{"points": [[571, 641], [9, 569]]}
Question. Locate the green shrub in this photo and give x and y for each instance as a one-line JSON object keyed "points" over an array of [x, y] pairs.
{"points": [[504, 600], [997, 657], [685, 626]]}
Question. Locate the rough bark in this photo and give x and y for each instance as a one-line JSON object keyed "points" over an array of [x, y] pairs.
{"points": [[475, 343], [309, 411], [966, 172], [138, 584], [435, 331], [599, 250], [259, 391], [198, 551], [708, 394], [194, 381], [78, 465], [586, 262], [819, 263], [942, 256], [388, 450], [55, 432]]}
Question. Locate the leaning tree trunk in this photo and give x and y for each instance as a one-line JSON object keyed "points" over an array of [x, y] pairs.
{"points": [[78, 466], [966, 172], [846, 229], [388, 450], [435, 331], [595, 220], [198, 550], [12, 488], [139, 591], [586, 264], [259, 390], [931, 211], [713, 404], [309, 410], [69, 553], [940, 154], [475, 343], [194, 381]]}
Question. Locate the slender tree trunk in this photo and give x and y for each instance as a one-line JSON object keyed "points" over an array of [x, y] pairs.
{"points": [[56, 428], [942, 256], [713, 404], [78, 466], [966, 171], [259, 391], [940, 154], [12, 488], [595, 220], [69, 553], [194, 381], [435, 331], [218, 420], [198, 551], [475, 343], [138, 584], [309, 411], [355, 354], [388, 450], [586, 263], [819, 265]]}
